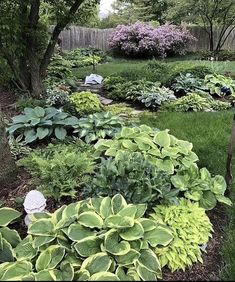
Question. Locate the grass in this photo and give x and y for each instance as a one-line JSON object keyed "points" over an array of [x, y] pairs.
{"points": [[120, 65]]}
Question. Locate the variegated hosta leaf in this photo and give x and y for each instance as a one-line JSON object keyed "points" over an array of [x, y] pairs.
{"points": [[8, 215], [119, 222], [99, 262], [159, 236], [82, 275], [25, 250], [67, 271], [88, 246], [118, 203], [15, 271], [104, 276], [77, 232], [113, 246], [42, 227], [133, 233], [105, 207], [91, 220], [48, 275], [130, 258], [12, 236], [6, 251]]}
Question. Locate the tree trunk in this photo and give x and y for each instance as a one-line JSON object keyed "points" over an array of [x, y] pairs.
{"points": [[35, 79], [8, 169]]}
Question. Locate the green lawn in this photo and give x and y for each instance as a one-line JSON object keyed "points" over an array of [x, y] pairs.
{"points": [[119, 65]]}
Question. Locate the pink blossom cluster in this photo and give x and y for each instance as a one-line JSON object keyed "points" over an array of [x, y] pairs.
{"points": [[144, 39]]}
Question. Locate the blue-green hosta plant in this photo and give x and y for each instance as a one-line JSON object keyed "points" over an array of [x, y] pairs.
{"points": [[155, 98], [98, 125], [163, 150], [198, 185], [135, 178], [9, 238], [39, 123], [98, 239], [220, 84], [192, 230]]}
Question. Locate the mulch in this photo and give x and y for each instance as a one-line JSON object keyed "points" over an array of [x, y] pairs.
{"points": [[208, 271]]}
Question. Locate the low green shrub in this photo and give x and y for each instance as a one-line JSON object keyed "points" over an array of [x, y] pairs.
{"points": [[99, 125], [57, 97], [85, 103], [195, 102], [110, 82], [28, 102], [192, 230], [119, 108], [135, 178], [39, 123], [223, 55], [18, 147], [96, 239], [9, 238], [60, 172]]}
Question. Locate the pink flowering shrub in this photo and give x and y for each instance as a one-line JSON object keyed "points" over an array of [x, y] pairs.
{"points": [[144, 39]]}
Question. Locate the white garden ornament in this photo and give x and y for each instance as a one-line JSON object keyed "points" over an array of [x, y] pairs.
{"points": [[34, 202]]}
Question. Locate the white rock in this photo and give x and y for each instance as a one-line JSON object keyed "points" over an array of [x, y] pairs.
{"points": [[34, 202], [93, 79]]}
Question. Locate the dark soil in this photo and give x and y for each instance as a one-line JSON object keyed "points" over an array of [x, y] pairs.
{"points": [[13, 196]]}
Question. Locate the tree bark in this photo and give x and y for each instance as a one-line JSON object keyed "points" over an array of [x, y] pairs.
{"points": [[8, 169]]}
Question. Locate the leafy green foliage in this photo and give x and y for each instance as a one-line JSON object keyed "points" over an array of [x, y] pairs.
{"points": [[119, 108], [9, 238], [223, 55], [39, 123], [99, 125], [18, 147], [159, 147], [29, 102], [96, 239], [199, 185], [156, 97], [57, 97], [60, 170], [185, 83], [85, 103], [110, 82], [135, 178], [195, 102], [220, 85], [192, 230]]}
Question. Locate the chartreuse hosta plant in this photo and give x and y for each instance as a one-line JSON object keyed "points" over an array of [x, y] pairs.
{"points": [[220, 84], [93, 240], [9, 238], [39, 123], [98, 125], [198, 185], [159, 147], [192, 230]]}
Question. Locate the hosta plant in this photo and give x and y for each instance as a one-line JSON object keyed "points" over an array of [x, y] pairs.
{"points": [[192, 230], [220, 84], [18, 147], [135, 178], [163, 150], [185, 83], [59, 172], [99, 125], [85, 103], [96, 239], [110, 81], [9, 238], [39, 123], [198, 185], [57, 97], [155, 98]]}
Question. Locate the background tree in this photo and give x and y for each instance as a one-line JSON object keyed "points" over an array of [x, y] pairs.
{"points": [[8, 170], [24, 39]]}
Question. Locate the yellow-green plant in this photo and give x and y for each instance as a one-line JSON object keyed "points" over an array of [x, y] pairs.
{"points": [[192, 230], [85, 103]]}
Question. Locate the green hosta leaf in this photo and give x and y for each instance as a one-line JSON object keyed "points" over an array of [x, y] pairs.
{"points": [[91, 220], [120, 272], [113, 245], [208, 201], [77, 232], [133, 233], [6, 251], [104, 276], [42, 132], [97, 263], [30, 135], [158, 236], [145, 274], [14, 127], [12, 236], [42, 227], [47, 275], [8, 215], [219, 185], [69, 215], [224, 200], [105, 207], [118, 203], [16, 271], [67, 271], [88, 246], [149, 260], [130, 258], [82, 275], [50, 258], [42, 240], [141, 209], [39, 112], [180, 182], [118, 221], [128, 211], [148, 224], [194, 195], [163, 139], [60, 133], [25, 250]]}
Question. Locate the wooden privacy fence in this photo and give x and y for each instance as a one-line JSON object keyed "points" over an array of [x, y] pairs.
{"points": [[81, 37]]}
